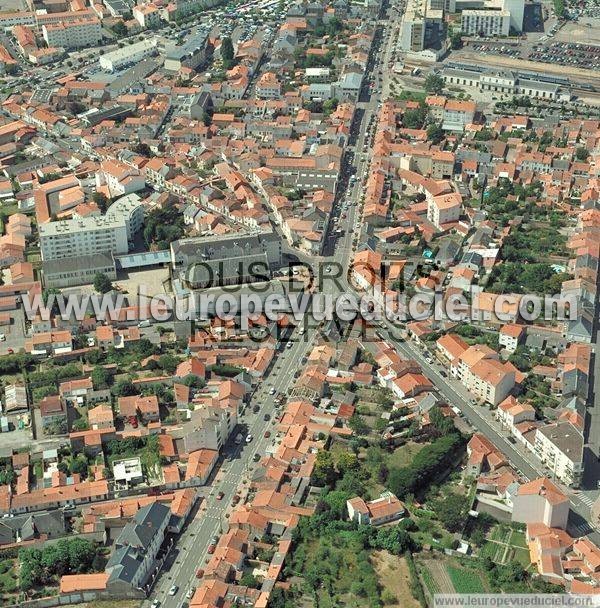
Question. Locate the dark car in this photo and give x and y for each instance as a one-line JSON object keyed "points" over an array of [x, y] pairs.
{"points": [[266, 417], [220, 495]]}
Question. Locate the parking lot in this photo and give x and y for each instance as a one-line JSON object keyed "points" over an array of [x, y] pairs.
{"points": [[14, 334], [496, 49], [585, 56]]}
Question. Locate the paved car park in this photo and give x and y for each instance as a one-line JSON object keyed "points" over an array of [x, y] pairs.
{"points": [[585, 56]]}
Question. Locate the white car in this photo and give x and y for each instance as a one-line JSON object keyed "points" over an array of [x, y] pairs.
{"points": [[190, 593], [249, 438], [173, 590], [272, 390]]}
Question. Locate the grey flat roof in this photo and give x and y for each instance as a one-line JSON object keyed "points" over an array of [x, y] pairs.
{"points": [[147, 258]]}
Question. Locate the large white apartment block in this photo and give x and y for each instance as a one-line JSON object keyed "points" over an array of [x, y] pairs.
{"points": [[73, 34], [485, 22], [85, 236], [492, 17], [541, 501], [560, 447], [91, 235], [419, 16]]}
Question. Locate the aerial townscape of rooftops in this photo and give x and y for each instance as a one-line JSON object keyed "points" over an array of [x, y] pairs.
{"points": [[298, 302]]}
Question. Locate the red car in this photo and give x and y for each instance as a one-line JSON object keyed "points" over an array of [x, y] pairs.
{"points": [[235, 500], [267, 434], [211, 548], [199, 573]]}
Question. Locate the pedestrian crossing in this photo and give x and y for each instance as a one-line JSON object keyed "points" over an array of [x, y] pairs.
{"points": [[586, 499], [580, 530]]}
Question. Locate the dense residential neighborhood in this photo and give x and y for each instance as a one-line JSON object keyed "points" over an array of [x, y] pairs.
{"points": [[193, 194]]}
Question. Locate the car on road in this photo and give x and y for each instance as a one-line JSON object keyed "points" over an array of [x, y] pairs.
{"points": [[272, 390], [155, 603], [190, 593], [236, 499], [256, 457], [256, 408], [212, 547], [266, 417], [199, 573], [173, 590], [220, 495], [267, 434], [249, 438], [289, 345]]}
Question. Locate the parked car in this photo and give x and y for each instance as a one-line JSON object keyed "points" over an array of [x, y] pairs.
{"points": [[220, 495], [199, 573], [173, 590]]}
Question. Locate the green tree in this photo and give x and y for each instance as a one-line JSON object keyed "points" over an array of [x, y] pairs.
{"points": [[168, 363], [100, 377], [434, 83], [358, 425], [452, 512], [102, 284], [79, 465], [582, 154], [101, 200], [455, 40], [120, 29], [227, 53], [248, 580], [324, 473], [414, 119], [435, 133], [124, 388]]}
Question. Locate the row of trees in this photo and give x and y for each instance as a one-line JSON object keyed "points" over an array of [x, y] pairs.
{"points": [[429, 462]]}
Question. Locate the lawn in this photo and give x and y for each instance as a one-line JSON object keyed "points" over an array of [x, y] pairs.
{"points": [[403, 455], [518, 540], [523, 557], [465, 581]]}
